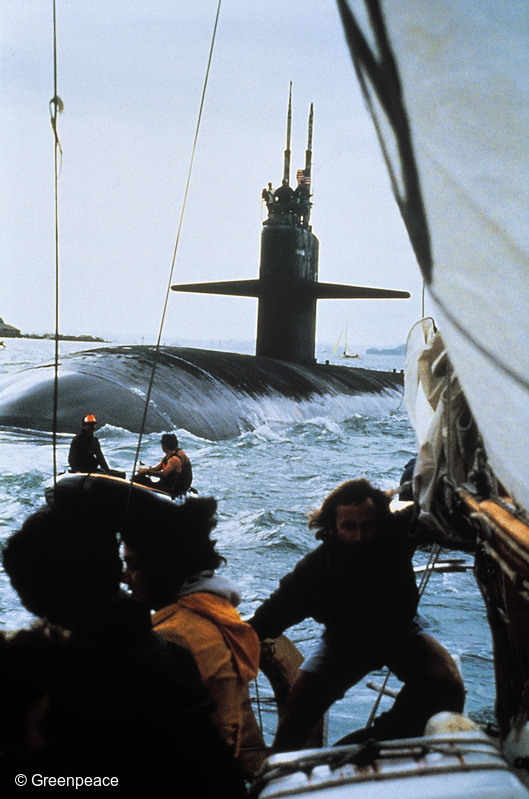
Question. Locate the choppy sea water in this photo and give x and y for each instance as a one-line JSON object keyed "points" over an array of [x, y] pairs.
{"points": [[265, 483]]}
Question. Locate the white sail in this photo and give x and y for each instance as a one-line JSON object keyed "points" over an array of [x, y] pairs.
{"points": [[464, 69]]}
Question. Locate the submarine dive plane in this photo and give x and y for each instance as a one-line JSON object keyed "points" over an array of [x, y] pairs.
{"points": [[218, 395]]}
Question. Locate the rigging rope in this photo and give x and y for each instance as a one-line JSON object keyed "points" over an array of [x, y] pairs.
{"points": [[162, 322], [56, 108], [436, 549]]}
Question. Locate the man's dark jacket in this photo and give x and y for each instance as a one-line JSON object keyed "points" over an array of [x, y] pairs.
{"points": [[362, 594], [85, 454]]}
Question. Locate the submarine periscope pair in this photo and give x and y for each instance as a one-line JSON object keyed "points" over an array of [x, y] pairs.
{"points": [[219, 395]]}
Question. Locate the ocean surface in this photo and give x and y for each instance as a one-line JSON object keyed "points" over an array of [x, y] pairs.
{"points": [[265, 483]]}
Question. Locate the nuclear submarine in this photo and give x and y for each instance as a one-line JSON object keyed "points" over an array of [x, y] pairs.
{"points": [[219, 395]]}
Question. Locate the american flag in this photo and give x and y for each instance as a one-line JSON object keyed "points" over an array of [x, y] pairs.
{"points": [[302, 178]]}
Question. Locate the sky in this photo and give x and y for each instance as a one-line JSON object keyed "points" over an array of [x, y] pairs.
{"points": [[130, 75]]}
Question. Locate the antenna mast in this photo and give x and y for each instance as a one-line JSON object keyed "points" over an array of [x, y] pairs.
{"points": [[286, 166], [308, 151]]}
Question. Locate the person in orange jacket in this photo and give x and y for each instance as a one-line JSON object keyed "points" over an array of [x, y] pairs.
{"points": [[171, 568]]}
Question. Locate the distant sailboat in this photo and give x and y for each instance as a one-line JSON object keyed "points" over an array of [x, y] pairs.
{"points": [[346, 351]]}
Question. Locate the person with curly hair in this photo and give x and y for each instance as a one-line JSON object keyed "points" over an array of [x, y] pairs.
{"points": [[360, 585]]}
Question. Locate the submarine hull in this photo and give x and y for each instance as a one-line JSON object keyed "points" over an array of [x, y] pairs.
{"points": [[211, 394]]}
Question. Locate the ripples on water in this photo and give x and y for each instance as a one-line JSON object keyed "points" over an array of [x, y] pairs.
{"points": [[266, 482]]}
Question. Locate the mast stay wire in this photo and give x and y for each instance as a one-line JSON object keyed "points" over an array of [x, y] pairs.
{"points": [[56, 108], [164, 312]]}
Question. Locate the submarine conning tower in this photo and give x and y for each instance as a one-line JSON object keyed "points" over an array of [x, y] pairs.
{"points": [[288, 287], [286, 320]]}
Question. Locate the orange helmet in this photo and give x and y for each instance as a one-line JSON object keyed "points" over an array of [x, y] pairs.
{"points": [[89, 419]]}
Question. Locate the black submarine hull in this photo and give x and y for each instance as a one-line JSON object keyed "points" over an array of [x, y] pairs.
{"points": [[211, 394]]}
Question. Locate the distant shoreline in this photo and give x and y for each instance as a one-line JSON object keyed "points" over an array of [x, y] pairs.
{"points": [[400, 350], [51, 337]]}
